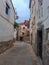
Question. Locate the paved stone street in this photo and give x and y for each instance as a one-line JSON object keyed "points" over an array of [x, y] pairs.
{"points": [[20, 54]]}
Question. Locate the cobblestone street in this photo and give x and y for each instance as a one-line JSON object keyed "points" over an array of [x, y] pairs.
{"points": [[20, 54]]}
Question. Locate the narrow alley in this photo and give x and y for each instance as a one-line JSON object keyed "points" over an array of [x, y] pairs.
{"points": [[20, 54], [24, 32]]}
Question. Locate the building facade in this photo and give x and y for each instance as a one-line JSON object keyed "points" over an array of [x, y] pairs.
{"points": [[42, 29], [23, 29], [32, 22], [7, 17]]}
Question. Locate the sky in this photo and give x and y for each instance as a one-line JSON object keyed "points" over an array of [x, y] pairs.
{"points": [[22, 9]]}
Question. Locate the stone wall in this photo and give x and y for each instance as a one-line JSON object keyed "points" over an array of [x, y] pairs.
{"points": [[46, 47], [46, 53], [4, 45]]}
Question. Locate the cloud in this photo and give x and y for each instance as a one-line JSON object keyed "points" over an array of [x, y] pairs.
{"points": [[22, 8]]}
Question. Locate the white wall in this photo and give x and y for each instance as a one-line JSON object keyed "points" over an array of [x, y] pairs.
{"points": [[6, 30], [3, 10], [45, 13], [45, 18], [6, 22]]}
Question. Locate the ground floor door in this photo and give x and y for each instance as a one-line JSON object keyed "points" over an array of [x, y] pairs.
{"points": [[21, 38], [39, 43]]}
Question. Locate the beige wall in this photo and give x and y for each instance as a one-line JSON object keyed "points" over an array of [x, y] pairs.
{"points": [[32, 21], [21, 30]]}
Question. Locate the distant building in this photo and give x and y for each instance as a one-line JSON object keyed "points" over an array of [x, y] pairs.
{"points": [[7, 17], [23, 29], [27, 23]]}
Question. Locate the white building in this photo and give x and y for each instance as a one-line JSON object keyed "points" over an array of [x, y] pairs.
{"points": [[42, 22], [42, 29], [7, 15]]}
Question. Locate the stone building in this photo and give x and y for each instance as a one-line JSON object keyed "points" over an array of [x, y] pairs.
{"points": [[42, 29], [7, 17], [23, 29], [32, 7]]}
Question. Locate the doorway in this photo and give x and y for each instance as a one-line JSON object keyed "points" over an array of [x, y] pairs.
{"points": [[39, 43], [21, 38]]}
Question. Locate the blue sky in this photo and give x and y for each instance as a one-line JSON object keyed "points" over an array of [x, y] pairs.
{"points": [[22, 8]]}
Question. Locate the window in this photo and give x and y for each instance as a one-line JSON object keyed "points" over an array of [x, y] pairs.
{"points": [[39, 13], [32, 9], [48, 9], [23, 27], [22, 33], [7, 9], [47, 34], [40, 2], [34, 2], [33, 21]]}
